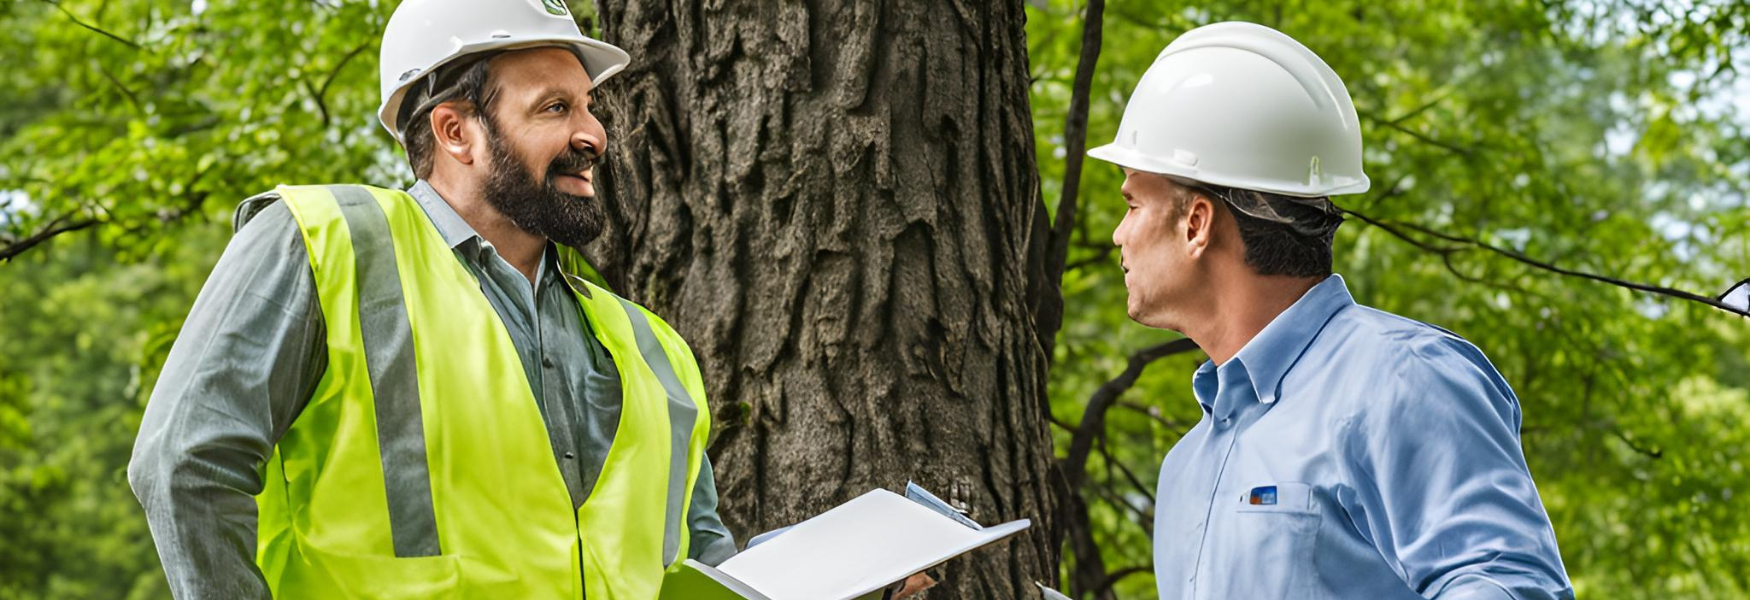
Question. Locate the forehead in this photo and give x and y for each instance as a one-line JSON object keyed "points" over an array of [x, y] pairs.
{"points": [[1136, 181], [539, 70]]}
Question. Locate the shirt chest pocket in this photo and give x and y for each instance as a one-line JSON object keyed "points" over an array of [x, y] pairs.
{"points": [[1265, 544]]}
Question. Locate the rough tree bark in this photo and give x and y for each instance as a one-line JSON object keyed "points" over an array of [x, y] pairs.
{"points": [[836, 203]]}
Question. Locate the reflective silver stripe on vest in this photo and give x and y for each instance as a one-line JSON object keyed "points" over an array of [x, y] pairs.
{"points": [[681, 415], [388, 340]]}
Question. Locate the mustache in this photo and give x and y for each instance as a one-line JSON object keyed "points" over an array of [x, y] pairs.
{"points": [[574, 161]]}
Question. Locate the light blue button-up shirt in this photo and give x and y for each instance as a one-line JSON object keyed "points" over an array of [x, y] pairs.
{"points": [[1346, 452]]}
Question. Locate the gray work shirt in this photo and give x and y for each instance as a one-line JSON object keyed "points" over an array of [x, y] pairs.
{"points": [[253, 349]]}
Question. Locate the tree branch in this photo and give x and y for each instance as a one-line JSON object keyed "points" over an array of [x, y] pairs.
{"points": [[1400, 119], [1094, 416], [81, 22], [1075, 136], [1116, 499], [1129, 476], [133, 99], [1654, 453], [10, 247], [1452, 267], [1049, 312], [1398, 233], [1465, 243], [1101, 255], [1395, 124], [1089, 568], [1118, 575], [321, 94], [1152, 413]]}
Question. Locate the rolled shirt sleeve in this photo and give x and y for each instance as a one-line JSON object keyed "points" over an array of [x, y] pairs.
{"points": [[240, 371], [710, 541], [1442, 487]]}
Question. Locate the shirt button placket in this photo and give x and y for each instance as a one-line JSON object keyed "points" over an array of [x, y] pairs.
{"points": [[1226, 436]]}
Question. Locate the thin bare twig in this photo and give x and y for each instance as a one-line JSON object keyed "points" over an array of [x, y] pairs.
{"points": [[10, 248], [98, 215], [1113, 497], [133, 99], [1395, 124], [1129, 476], [1654, 453], [1101, 255], [1466, 243], [1094, 416], [321, 93], [1400, 119], [1152, 413], [99, 30]]}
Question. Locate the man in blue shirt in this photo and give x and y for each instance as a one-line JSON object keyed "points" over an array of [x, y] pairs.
{"points": [[1343, 452]]}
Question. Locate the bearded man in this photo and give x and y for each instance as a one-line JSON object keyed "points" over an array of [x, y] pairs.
{"points": [[398, 394]]}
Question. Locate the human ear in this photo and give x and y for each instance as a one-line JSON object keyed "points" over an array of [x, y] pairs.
{"points": [[449, 126], [1199, 225]]}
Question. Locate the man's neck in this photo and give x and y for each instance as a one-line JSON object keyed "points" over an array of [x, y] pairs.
{"points": [[1242, 307], [519, 248]]}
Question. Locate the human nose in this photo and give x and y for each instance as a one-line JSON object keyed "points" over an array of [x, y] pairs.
{"points": [[590, 136]]}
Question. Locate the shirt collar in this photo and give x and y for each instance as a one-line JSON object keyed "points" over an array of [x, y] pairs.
{"points": [[456, 230], [450, 225], [1266, 359]]}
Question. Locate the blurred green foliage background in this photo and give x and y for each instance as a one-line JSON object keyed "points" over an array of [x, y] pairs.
{"points": [[1607, 137]]}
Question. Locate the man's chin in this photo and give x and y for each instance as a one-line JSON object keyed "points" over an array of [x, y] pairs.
{"points": [[1148, 315], [1136, 315], [575, 237], [574, 242]]}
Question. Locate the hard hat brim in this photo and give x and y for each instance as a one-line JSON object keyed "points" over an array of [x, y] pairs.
{"points": [[601, 60], [1131, 159]]}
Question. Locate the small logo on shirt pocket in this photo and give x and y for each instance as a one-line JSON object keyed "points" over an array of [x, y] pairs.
{"points": [[1268, 523], [1277, 497]]}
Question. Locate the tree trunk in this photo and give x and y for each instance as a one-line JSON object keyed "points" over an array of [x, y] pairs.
{"points": [[836, 204]]}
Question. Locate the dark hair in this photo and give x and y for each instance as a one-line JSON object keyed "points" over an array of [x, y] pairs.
{"points": [[1299, 247], [467, 83]]}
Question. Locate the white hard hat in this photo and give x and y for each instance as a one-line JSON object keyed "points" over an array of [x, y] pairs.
{"points": [[1244, 106], [426, 34]]}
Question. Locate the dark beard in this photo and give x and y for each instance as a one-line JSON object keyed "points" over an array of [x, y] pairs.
{"points": [[539, 207]]}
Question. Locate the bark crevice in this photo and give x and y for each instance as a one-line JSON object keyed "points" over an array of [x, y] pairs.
{"points": [[835, 203]]}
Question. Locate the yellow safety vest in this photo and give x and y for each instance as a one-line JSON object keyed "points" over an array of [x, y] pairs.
{"points": [[421, 467]]}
